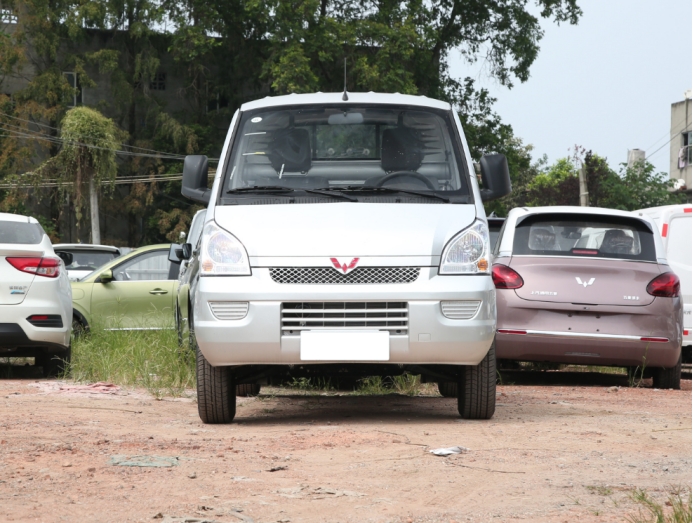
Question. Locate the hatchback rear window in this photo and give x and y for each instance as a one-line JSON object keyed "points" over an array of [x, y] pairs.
{"points": [[20, 233], [586, 236]]}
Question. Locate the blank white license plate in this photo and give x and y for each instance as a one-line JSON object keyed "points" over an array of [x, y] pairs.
{"points": [[346, 345]]}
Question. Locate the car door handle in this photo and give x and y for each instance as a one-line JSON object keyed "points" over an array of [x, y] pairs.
{"points": [[158, 291]]}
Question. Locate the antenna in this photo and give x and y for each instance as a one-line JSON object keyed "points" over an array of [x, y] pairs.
{"points": [[345, 97]]}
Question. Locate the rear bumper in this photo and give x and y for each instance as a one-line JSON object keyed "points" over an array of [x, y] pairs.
{"points": [[589, 335], [16, 331], [15, 342], [586, 349], [430, 337]]}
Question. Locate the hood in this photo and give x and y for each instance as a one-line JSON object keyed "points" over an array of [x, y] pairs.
{"points": [[345, 228]]}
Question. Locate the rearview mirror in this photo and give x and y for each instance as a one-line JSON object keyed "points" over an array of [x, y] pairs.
{"points": [[187, 251], [66, 257], [175, 253], [495, 177], [106, 276], [195, 174]]}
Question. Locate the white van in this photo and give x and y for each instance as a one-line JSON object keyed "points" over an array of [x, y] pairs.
{"points": [[344, 235], [674, 224]]}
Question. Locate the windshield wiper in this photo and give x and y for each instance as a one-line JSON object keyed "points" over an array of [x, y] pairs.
{"points": [[331, 191], [260, 188], [361, 188]]}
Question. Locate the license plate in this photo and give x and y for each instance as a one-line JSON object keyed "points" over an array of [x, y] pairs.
{"points": [[346, 345]]}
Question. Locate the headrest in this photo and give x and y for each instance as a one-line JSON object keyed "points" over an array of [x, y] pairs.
{"points": [[290, 148], [542, 240], [617, 241], [401, 150]]}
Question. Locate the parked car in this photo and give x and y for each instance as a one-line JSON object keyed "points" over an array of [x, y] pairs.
{"points": [[35, 296], [86, 258], [345, 234], [133, 292], [674, 224], [587, 286]]}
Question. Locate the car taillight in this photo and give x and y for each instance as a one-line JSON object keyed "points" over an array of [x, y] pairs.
{"points": [[506, 278], [48, 267], [666, 285]]}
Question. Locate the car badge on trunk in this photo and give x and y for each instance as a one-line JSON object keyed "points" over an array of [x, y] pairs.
{"points": [[343, 267], [584, 283]]}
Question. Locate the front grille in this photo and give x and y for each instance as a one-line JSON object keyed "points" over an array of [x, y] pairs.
{"points": [[390, 316], [52, 321], [360, 275]]}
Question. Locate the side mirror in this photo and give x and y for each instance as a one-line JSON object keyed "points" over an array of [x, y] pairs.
{"points": [[187, 251], [66, 257], [175, 253], [495, 177], [106, 276], [195, 173]]}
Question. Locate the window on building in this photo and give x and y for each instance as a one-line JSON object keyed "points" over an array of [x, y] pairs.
{"points": [[73, 81], [7, 16], [217, 102], [687, 149], [158, 83]]}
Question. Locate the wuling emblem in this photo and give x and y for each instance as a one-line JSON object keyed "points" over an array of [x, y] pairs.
{"points": [[344, 268], [584, 283]]}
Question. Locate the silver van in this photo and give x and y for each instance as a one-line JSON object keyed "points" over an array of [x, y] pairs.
{"points": [[345, 235]]}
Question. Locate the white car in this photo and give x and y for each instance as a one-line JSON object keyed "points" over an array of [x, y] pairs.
{"points": [[86, 258], [674, 224], [35, 296]]}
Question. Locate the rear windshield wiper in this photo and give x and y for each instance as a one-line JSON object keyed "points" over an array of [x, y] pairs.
{"points": [[361, 188], [260, 188]]}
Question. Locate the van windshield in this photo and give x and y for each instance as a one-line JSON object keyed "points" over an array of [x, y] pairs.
{"points": [[584, 236], [318, 154]]}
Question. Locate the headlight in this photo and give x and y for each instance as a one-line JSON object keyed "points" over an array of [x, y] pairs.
{"points": [[221, 253], [468, 252]]}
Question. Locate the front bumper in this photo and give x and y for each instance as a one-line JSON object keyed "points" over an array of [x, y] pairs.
{"points": [[430, 338]]}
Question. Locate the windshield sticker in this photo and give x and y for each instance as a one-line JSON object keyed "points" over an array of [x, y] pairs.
{"points": [[257, 119]]}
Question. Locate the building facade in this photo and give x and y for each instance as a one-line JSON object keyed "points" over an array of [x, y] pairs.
{"points": [[680, 152]]}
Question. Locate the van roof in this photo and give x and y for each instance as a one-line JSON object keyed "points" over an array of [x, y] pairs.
{"points": [[354, 99]]}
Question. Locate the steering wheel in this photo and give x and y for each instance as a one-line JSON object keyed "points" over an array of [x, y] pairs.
{"points": [[405, 174]]}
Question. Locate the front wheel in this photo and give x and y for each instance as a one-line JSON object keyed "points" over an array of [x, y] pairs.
{"points": [[476, 390], [216, 391], [667, 378]]}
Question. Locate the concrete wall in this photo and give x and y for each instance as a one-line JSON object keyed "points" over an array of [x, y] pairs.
{"points": [[680, 125]]}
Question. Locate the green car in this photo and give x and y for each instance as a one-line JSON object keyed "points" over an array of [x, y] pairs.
{"points": [[133, 292]]}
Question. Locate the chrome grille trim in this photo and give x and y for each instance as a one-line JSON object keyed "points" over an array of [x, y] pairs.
{"points": [[330, 276], [390, 316], [460, 310], [229, 310]]}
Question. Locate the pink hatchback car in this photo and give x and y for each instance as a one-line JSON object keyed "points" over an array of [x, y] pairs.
{"points": [[587, 286]]}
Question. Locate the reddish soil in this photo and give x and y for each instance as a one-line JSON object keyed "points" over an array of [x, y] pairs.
{"points": [[558, 453]]}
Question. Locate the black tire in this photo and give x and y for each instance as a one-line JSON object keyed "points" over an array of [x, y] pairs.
{"points": [[247, 389], [216, 391], [476, 391], [55, 364], [78, 328], [447, 389], [667, 378]]}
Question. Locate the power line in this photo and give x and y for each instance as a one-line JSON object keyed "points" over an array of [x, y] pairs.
{"points": [[118, 181], [667, 133], [667, 143]]}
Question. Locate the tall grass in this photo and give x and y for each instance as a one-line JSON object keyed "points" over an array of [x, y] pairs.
{"points": [[653, 512], [147, 358]]}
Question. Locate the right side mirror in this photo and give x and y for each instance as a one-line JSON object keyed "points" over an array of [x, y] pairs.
{"points": [[495, 177], [195, 173]]}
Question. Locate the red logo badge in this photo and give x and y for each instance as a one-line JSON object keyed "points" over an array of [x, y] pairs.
{"points": [[343, 267]]}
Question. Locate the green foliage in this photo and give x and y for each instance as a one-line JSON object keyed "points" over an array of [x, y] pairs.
{"points": [[150, 359], [639, 187], [653, 512]]}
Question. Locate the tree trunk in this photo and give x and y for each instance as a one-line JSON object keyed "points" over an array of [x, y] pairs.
{"points": [[94, 209]]}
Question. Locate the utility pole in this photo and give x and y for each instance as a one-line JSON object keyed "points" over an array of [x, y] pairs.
{"points": [[94, 211], [584, 195]]}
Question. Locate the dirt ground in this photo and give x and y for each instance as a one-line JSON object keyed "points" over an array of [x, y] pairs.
{"points": [[555, 451]]}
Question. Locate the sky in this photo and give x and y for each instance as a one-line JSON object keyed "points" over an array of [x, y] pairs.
{"points": [[606, 84]]}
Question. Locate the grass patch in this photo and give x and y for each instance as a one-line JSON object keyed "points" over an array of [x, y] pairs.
{"points": [[676, 509], [149, 359]]}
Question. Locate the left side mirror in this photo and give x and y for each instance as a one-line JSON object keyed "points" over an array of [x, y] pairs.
{"points": [[495, 177], [195, 174], [187, 251], [66, 257], [175, 253]]}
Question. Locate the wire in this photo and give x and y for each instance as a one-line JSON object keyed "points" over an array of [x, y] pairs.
{"points": [[118, 181], [667, 143], [667, 133]]}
